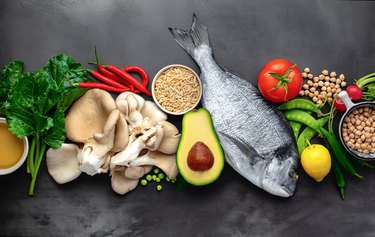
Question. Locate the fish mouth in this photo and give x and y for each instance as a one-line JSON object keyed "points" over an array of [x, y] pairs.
{"points": [[286, 192]]}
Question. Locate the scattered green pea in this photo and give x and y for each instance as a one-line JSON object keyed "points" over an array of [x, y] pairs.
{"points": [[143, 182], [161, 176], [154, 177], [157, 179], [159, 187], [156, 170], [168, 179], [173, 180]]}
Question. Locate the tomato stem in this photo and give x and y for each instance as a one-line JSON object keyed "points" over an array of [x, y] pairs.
{"points": [[283, 79]]}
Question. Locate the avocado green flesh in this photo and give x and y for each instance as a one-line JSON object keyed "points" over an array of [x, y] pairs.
{"points": [[197, 126]]}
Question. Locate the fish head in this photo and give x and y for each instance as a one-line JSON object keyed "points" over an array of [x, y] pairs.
{"points": [[280, 177]]}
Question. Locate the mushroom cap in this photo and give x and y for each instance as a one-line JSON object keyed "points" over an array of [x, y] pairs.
{"points": [[62, 163], [88, 115], [171, 138], [120, 183]]}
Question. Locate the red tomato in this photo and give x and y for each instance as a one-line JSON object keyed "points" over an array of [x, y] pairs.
{"points": [[279, 80]]}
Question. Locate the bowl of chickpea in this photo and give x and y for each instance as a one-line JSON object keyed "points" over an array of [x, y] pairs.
{"points": [[357, 128]]}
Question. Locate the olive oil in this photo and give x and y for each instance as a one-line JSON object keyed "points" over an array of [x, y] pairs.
{"points": [[11, 147]]}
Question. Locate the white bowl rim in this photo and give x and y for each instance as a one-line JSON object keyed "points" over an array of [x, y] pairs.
{"points": [[153, 87], [23, 157]]}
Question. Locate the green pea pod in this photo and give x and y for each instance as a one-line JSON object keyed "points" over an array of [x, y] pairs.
{"points": [[307, 134], [339, 152], [296, 126], [302, 117], [301, 104]]}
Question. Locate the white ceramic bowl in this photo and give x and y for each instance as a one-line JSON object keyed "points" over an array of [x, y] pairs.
{"points": [[23, 158], [153, 88]]}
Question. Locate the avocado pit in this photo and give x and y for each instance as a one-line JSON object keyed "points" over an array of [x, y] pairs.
{"points": [[200, 157]]}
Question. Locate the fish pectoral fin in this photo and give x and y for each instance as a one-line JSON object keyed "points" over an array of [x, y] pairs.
{"points": [[243, 147]]}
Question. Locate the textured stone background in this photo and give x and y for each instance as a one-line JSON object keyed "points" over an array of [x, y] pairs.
{"points": [[338, 35]]}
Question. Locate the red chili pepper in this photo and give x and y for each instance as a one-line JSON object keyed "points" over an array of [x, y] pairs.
{"points": [[129, 78], [102, 86], [113, 76], [142, 73], [106, 80]]}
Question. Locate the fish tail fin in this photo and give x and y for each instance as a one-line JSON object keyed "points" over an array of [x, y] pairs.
{"points": [[193, 38]]}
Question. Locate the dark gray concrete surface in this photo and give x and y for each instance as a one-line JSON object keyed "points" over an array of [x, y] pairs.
{"points": [[337, 35]]}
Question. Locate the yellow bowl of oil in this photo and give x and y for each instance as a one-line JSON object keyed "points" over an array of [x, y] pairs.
{"points": [[13, 150]]}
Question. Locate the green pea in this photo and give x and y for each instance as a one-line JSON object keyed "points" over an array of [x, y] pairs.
{"points": [[148, 177], [168, 179], [156, 170], [161, 176], [143, 182], [157, 180], [173, 180], [159, 187], [154, 177]]}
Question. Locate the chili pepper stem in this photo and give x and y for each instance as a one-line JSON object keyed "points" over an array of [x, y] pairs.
{"points": [[341, 190]]}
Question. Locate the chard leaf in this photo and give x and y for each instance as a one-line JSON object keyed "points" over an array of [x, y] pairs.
{"points": [[10, 74], [66, 72], [55, 136]]}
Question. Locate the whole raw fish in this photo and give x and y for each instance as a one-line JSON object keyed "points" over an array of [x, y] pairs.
{"points": [[256, 138]]}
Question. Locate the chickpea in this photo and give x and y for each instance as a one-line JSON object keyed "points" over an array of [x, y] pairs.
{"points": [[324, 88], [307, 70], [326, 84], [327, 78], [307, 92], [320, 83], [311, 95], [332, 80], [338, 81], [342, 77], [319, 102], [333, 90], [325, 72], [321, 77], [333, 74], [330, 100], [315, 85], [323, 93], [302, 93], [312, 89], [316, 79], [316, 93], [337, 86], [357, 122], [304, 75], [310, 83], [332, 85], [310, 76], [314, 99], [305, 86], [343, 84], [329, 94], [338, 90]]}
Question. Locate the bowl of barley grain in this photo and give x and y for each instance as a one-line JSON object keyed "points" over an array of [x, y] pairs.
{"points": [[176, 89]]}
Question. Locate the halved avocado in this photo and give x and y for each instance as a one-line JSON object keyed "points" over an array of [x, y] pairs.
{"points": [[198, 147]]}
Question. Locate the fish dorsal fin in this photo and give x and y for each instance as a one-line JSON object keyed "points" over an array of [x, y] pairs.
{"points": [[193, 38], [244, 148]]}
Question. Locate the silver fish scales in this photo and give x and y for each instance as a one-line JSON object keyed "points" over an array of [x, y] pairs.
{"points": [[256, 138]]}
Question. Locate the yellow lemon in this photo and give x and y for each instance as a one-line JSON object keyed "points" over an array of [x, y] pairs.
{"points": [[316, 161]]}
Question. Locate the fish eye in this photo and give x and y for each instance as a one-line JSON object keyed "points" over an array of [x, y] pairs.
{"points": [[292, 173]]}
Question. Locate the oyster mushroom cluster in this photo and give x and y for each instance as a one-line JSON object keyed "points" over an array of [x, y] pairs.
{"points": [[126, 136]]}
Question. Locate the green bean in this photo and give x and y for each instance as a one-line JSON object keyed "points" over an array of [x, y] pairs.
{"points": [[339, 153], [363, 163], [307, 134], [300, 104], [302, 117], [339, 175]]}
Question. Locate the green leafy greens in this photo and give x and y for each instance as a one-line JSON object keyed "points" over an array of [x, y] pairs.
{"points": [[34, 104]]}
